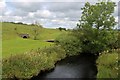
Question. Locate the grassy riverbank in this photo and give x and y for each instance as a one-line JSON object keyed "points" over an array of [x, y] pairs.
{"points": [[108, 64], [30, 64]]}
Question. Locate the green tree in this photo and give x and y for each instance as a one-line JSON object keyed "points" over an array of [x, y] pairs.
{"points": [[60, 28], [96, 25], [35, 33], [37, 27]]}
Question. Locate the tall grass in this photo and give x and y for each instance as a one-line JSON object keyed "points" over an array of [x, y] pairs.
{"points": [[108, 64], [31, 63]]}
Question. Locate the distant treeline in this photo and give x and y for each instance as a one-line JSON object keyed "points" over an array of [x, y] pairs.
{"points": [[16, 23], [24, 24], [60, 28]]}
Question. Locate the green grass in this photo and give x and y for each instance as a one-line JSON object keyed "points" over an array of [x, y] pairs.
{"points": [[30, 64], [108, 65], [8, 31], [11, 47], [13, 44]]}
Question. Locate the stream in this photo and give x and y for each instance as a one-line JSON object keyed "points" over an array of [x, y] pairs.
{"points": [[75, 67]]}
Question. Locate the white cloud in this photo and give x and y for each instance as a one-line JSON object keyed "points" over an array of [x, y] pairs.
{"points": [[18, 18], [0, 18], [31, 14], [42, 13], [116, 19], [11, 18], [58, 21], [45, 13], [2, 4], [7, 13]]}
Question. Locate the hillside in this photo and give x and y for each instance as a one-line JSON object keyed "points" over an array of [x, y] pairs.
{"points": [[13, 44]]}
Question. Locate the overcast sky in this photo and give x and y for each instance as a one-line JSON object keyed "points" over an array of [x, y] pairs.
{"points": [[49, 13]]}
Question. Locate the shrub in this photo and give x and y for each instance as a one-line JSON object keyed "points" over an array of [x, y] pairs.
{"points": [[70, 43], [62, 29], [95, 41], [117, 43]]}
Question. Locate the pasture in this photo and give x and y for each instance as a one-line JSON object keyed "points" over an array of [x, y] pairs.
{"points": [[13, 44]]}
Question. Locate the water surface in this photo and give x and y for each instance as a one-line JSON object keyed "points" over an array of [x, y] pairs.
{"points": [[72, 67]]}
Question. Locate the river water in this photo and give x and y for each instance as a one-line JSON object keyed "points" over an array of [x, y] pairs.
{"points": [[82, 66]]}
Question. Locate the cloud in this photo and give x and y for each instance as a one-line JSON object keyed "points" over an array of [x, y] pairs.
{"points": [[49, 13], [57, 0], [43, 13], [30, 14], [2, 6]]}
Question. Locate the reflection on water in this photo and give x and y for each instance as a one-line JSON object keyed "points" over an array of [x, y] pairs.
{"points": [[72, 67]]}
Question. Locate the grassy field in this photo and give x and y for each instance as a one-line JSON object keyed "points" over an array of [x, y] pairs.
{"points": [[13, 44], [11, 47], [25, 58]]}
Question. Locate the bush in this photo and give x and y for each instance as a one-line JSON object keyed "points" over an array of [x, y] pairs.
{"points": [[62, 29], [70, 43], [95, 41], [117, 43]]}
